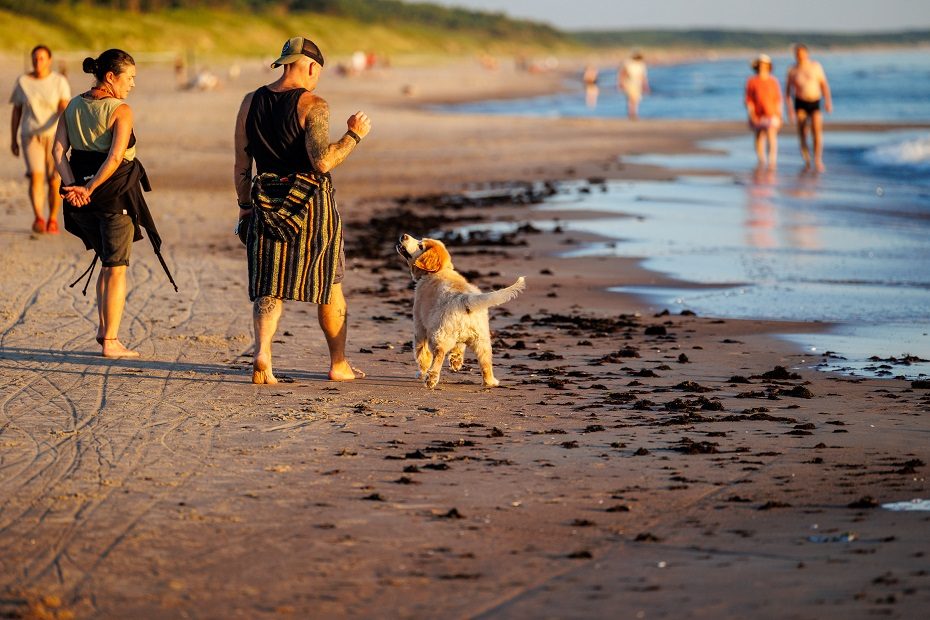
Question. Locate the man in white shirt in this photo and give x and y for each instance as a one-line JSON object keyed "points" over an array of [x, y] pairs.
{"points": [[633, 82], [38, 99]]}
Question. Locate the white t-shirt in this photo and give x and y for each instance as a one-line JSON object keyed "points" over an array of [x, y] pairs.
{"points": [[632, 75], [40, 99]]}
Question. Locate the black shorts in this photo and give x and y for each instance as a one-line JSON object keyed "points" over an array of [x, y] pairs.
{"points": [[807, 106], [110, 234]]}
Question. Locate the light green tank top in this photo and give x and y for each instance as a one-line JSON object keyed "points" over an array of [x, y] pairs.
{"points": [[88, 125]]}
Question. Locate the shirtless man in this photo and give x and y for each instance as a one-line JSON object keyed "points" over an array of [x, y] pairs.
{"points": [[805, 87]]}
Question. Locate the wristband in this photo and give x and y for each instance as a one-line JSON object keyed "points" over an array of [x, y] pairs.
{"points": [[247, 205], [354, 136]]}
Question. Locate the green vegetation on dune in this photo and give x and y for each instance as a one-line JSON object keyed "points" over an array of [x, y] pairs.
{"points": [[391, 27], [744, 38], [246, 27]]}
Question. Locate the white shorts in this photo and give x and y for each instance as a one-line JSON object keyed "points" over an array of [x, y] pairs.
{"points": [[37, 152], [766, 122]]}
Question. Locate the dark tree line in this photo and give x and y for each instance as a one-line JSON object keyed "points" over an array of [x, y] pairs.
{"points": [[369, 11], [744, 38]]}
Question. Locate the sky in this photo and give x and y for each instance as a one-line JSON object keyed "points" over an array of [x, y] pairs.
{"points": [[787, 15]]}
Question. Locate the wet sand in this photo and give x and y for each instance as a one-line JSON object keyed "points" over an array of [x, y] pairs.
{"points": [[630, 465]]}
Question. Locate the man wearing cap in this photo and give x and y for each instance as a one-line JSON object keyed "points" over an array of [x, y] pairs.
{"points": [[293, 229]]}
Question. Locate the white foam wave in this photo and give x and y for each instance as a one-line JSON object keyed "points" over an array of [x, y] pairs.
{"points": [[914, 152]]}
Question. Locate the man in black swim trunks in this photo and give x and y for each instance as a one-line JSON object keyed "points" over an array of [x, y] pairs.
{"points": [[805, 87]]}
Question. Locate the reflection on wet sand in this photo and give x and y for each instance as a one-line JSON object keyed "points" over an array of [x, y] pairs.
{"points": [[591, 92], [761, 213], [764, 231]]}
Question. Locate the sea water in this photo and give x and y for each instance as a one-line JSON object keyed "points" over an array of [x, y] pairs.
{"points": [[866, 86], [849, 248]]}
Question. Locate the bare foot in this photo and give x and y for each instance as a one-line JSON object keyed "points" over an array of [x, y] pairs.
{"points": [[261, 371], [345, 372], [113, 348], [821, 167]]}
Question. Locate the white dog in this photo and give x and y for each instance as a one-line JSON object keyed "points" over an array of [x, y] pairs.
{"points": [[448, 312]]}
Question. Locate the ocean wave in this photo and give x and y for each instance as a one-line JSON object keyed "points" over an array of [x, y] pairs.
{"points": [[912, 153]]}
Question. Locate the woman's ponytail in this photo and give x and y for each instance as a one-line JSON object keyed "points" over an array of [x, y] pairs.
{"points": [[113, 60]]}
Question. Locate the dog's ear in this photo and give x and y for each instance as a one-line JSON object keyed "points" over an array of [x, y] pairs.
{"points": [[433, 258], [429, 261]]}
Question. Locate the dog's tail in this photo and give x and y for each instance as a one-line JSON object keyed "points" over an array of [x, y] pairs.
{"points": [[482, 301]]}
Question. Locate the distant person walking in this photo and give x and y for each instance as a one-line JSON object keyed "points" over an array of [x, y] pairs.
{"points": [[764, 105], [38, 99], [102, 185], [805, 88], [591, 90], [294, 232], [633, 81]]}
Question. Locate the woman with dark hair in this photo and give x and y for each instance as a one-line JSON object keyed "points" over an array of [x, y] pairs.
{"points": [[102, 185]]}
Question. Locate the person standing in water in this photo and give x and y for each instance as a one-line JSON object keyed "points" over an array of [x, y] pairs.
{"points": [[633, 81], [589, 77], [764, 106], [806, 87]]}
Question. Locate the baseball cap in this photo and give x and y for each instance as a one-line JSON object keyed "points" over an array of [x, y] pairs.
{"points": [[295, 48], [762, 58]]}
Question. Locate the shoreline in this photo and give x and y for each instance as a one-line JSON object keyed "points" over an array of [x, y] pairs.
{"points": [[779, 328]]}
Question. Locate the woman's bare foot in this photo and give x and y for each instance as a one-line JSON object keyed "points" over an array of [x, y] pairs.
{"points": [[113, 348], [345, 372], [261, 371]]}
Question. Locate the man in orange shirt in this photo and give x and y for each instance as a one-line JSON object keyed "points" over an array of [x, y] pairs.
{"points": [[763, 103]]}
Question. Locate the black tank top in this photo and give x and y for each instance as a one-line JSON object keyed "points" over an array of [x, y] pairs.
{"points": [[276, 139]]}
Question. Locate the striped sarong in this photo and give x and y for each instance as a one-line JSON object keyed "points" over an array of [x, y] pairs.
{"points": [[294, 241]]}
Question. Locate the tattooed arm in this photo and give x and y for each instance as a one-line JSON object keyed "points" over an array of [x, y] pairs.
{"points": [[242, 169], [325, 155]]}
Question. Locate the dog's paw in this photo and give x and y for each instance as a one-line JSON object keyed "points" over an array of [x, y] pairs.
{"points": [[432, 379], [456, 362], [492, 383]]}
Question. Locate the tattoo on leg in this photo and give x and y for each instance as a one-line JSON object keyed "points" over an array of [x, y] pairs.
{"points": [[264, 306]]}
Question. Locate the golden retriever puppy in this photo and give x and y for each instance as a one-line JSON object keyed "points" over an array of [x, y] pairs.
{"points": [[448, 312]]}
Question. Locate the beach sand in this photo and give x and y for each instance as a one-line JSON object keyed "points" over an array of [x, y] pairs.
{"points": [[629, 465]]}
